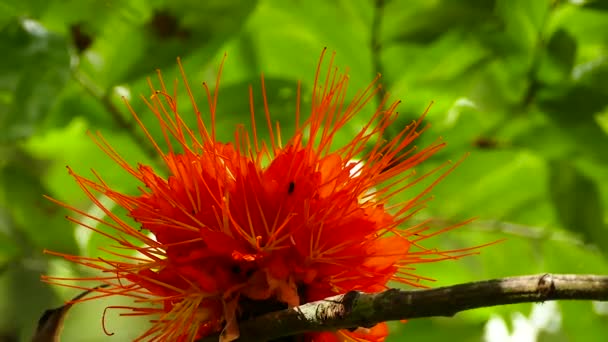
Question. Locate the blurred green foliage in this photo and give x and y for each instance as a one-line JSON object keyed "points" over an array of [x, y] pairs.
{"points": [[520, 85]]}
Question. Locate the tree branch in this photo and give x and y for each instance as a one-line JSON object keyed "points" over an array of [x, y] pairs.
{"points": [[357, 309]]}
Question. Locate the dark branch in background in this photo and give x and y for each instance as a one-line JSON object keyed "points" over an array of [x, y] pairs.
{"points": [[121, 121], [51, 322], [356, 309], [376, 46], [534, 83]]}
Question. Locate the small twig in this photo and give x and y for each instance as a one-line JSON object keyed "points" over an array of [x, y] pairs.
{"points": [[537, 233], [376, 46], [541, 44], [357, 309], [128, 125], [528, 232]]}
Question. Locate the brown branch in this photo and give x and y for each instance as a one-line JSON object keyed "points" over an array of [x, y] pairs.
{"points": [[357, 309]]}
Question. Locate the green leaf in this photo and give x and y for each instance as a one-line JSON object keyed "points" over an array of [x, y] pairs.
{"points": [[39, 220], [577, 329], [573, 109], [577, 202], [427, 21], [523, 20], [233, 108], [75, 103], [27, 8], [129, 47], [8, 247], [596, 4], [281, 96], [491, 179], [34, 68], [476, 59], [24, 297], [593, 75], [89, 314], [50, 323], [434, 330], [558, 60], [587, 26]]}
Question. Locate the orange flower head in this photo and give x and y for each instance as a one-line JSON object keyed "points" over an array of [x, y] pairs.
{"points": [[241, 228]]}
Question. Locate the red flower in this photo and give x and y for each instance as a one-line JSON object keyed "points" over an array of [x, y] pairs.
{"points": [[241, 228]]}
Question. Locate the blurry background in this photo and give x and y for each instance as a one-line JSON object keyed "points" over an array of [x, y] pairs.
{"points": [[520, 85]]}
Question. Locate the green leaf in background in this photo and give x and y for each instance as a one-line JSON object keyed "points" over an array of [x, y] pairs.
{"points": [[23, 296], [523, 20], [573, 110], [34, 68], [518, 85], [574, 104], [72, 104], [421, 21], [434, 330], [9, 250], [9, 10], [41, 221], [144, 38], [596, 4], [577, 329], [558, 61], [577, 203], [281, 96]]}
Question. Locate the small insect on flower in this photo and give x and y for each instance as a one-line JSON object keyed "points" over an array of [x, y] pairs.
{"points": [[241, 228]]}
